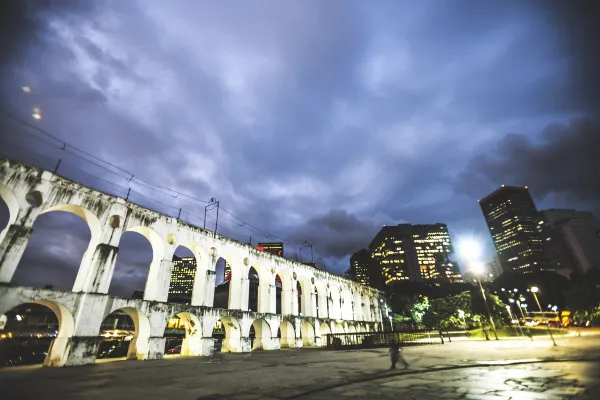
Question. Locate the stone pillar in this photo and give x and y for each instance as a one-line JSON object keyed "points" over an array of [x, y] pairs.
{"points": [[265, 293], [208, 346], [100, 267], [245, 345], [245, 294], [236, 295], [156, 348], [275, 344], [82, 350], [158, 281], [288, 302], [11, 250]]}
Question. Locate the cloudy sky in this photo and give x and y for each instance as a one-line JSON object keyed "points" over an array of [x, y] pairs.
{"points": [[311, 120]]}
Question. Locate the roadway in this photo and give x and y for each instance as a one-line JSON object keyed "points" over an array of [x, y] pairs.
{"points": [[517, 369]]}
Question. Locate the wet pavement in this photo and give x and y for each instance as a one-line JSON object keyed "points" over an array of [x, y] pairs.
{"points": [[505, 369]]}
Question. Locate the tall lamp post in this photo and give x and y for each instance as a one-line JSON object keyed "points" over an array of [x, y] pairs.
{"points": [[486, 305], [534, 290], [472, 251]]}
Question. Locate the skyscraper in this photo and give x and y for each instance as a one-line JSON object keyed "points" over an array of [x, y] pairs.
{"points": [[514, 224], [359, 266], [578, 233], [182, 279], [414, 252]]}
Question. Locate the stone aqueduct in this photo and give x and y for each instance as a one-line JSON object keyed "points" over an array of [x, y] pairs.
{"points": [[341, 305]]}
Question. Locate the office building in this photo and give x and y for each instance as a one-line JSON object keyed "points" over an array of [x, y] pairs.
{"points": [[578, 236], [275, 248], [359, 266], [414, 252], [182, 279], [514, 224]]}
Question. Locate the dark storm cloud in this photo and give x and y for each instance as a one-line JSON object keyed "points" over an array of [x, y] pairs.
{"points": [[315, 121], [563, 160]]}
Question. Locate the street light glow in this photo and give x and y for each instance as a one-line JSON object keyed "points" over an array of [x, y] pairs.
{"points": [[534, 289], [477, 268], [470, 249]]}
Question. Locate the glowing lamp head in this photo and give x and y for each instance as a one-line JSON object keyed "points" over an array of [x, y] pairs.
{"points": [[477, 268], [470, 248], [461, 313], [534, 289]]}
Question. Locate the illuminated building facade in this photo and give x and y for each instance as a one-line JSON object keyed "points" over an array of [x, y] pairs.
{"points": [[359, 266], [182, 279], [517, 229], [433, 248], [414, 252], [275, 248]]}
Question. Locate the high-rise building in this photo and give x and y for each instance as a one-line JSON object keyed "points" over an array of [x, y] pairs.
{"points": [[182, 279], [414, 252], [359, 266], [578, 233], [514, 224], [275, 248]]}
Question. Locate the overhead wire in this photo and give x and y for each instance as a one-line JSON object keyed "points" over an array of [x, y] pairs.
{"points": [[135, 179]]}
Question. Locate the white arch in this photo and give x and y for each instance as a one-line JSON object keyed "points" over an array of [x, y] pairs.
{"points": [[13, 207], [192, 343], [288, 335], [262, 331], [138, 347], [357, 306], [233, 334], [308, 334]]}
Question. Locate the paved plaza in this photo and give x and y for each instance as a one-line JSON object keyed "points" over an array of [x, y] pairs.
{"points": [[505, 369]]}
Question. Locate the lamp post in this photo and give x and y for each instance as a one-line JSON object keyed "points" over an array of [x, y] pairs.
{"points": [[534, 290], [523, 314], [486, 307], [472, 251], [461, 314]]}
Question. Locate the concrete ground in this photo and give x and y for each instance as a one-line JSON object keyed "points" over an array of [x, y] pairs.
{"points": [[505, 369]]}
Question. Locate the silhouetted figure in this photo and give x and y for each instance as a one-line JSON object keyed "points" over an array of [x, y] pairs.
{"points": [[395, 355]]}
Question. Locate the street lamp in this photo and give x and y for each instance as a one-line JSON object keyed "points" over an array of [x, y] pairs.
{"points": [[534, 290], [477, 268]]}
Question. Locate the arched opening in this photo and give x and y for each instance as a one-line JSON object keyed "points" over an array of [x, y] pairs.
{"points": [[116, 332], [29, 330], [253, 282], [4, 214], [183, 335], [308, 334], [56, 248], [125, 333], [299, 298], [325, 330], [130, 274], [227, 335], [316, 302], [278, 295], [183, 274], [351, 328], [339, 328], [222, 283], [287, 335], [260, 335]]}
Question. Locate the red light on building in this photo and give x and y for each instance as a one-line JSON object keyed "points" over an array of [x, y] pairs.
{"points": [[261, 248]]}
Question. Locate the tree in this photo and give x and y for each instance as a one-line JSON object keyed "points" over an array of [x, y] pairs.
{"points": [[443, 312]]}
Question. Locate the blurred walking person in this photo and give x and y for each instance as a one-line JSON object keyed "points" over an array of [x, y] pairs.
{"points": [[396, 355]]}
